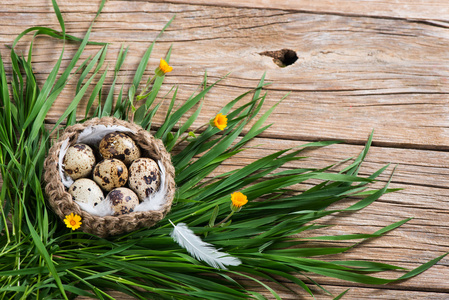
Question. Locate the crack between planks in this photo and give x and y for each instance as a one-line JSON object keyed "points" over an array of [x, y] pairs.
{"points": [[354, 142], [430, 22], [392, 93], [433, 23], [385, 287], [357, 142], [395, 104]]}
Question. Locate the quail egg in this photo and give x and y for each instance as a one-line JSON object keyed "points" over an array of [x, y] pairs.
{"points": [[110, 174], [119, 145], [144, 177], [123, 200], [79, 161], [87, 191]]}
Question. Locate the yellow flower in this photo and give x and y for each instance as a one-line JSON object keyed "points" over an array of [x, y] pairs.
{"points": [[163, 68], [220, 121], [73, 221], [238, 200]]}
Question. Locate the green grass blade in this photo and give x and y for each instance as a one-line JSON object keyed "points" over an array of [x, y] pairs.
{"points": [[144, 61], [89, 67], [43, 252], [107, 108], [422, 268], [95, 92], [184, 127], [58, 15], [210, 155], [162, 131], [73, 105], [6, 102], [341, 295]]}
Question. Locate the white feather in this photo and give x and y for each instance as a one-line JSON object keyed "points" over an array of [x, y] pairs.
{"points": [[102, 209], [93, 134], [67, 181], [156, 200], [185, 237]]}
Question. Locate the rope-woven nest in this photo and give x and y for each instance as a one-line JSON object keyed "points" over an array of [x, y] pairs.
{"points": [[61, 201]]}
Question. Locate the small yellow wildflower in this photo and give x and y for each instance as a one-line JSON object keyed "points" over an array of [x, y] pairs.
{"points": [[238, 200], [220, 121], [163, 68], [72, 221]]}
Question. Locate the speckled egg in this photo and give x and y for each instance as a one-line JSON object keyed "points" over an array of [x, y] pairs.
{"points": [[79, 161], [119, 145], [144, 177], [110, 173], [87, 191], [123, 200]]}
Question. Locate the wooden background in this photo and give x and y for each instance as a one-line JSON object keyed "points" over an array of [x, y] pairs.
{"points": [[362, 65]]}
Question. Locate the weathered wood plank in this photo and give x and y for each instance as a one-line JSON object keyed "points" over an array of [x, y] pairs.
{"points": [[433, 9], [437, 10], [350, 70]]}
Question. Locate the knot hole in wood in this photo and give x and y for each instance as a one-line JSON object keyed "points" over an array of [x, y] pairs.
{"points": [[283, 57]]}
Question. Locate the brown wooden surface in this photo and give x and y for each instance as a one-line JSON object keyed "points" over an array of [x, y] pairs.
{"points": [[362, 65]]}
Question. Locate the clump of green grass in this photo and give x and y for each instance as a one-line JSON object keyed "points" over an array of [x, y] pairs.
{"points": [[40, 258]]}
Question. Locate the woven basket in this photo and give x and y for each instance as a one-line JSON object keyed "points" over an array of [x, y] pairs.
{"points": [[61, 201]]}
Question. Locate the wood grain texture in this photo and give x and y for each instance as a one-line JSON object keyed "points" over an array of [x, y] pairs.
{"points": [[350, 69], [411, 9], [362, 65]]}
